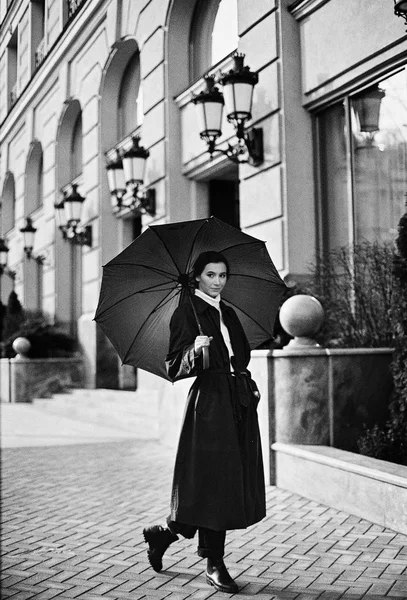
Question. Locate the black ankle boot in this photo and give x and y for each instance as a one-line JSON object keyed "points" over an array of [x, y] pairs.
{"points": [[158, 539], [218, 576]]}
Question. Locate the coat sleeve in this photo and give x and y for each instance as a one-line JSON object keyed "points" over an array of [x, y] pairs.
{"points": [[181, 361]]}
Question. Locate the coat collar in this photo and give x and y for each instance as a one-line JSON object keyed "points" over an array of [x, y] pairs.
{"points": [[200, 305]]}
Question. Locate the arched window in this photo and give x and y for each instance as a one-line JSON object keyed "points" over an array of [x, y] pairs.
{"points": [[33, 179], [8, 203], [129, 105], [76, 148], [68, 153], [214, 34]]}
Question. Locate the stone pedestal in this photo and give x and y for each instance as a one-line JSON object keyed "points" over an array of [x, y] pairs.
{"points": [[301, 392]]}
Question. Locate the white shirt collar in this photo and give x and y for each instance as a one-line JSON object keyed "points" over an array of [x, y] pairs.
{"points": [[212, 301]]}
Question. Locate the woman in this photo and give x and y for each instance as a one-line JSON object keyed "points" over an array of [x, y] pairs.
{"points": [[218, 478]]}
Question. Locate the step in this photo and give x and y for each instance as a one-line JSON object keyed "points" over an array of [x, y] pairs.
{"points": [[132, 413], [143, 403]]}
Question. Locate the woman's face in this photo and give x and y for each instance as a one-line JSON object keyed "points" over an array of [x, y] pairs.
{"points": [[213, 279]]}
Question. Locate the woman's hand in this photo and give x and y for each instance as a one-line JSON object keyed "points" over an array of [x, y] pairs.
{"points": [[201, 341]]}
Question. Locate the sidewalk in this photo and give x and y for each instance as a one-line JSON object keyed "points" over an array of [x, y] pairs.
{"points": [[73, 515]]}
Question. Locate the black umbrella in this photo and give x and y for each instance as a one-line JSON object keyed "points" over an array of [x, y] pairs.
{"points": [[143, 285]]}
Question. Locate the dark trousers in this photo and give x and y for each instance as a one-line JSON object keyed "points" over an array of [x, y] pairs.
{"points": [[211, 544]]}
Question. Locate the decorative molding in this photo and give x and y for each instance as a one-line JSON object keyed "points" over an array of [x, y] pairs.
{"points": [[352, 81], [197, 86], [303, 8], [124, 144]]}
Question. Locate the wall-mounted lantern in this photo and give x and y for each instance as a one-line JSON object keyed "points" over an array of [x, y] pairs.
{"points": [[117, 184], [400, 9], [68, 215], [126, 172], [28, 232], [367, 108], [238, 86]]}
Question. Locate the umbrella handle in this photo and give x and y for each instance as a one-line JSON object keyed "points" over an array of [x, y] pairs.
{"points": [[205, 349], [205, 357]]}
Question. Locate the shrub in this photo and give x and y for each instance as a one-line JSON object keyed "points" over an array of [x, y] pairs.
{"points": [[14, 316], [386, 443], [358, 291], [47, 340]]}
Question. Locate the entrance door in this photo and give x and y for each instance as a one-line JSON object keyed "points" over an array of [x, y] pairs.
{"points": [[224, 200]]}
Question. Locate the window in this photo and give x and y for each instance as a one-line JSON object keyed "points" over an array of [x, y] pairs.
{"points": [[76, 149], [130, 106], [362, 146], [33, 179], [74, 6], [12, 70], [8, 203], [37, 32], [214, 34]]}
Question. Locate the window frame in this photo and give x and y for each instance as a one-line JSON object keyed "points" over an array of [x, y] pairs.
{"points": [[351, 195]]}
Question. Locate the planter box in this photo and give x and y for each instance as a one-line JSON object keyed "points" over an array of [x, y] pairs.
{"points": [[23, 379], [372, 489]]}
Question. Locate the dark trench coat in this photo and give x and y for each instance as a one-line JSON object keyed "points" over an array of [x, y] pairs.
{"points": [[218, 476]]}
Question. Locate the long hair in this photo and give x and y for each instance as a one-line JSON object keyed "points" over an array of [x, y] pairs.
{"points": [[211, 256]]}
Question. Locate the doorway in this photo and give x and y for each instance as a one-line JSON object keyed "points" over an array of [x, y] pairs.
{"points": [[223, 196]]}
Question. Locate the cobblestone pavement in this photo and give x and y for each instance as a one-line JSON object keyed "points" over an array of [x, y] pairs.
{"points": [[73, 517]]}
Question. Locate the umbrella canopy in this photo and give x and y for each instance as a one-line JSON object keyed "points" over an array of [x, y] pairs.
{"points": [[144, 284]]}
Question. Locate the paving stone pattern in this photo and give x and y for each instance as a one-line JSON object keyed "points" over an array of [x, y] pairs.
{"points": [[72, 528]]}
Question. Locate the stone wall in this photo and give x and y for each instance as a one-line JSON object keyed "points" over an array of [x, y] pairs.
{"points": [[321, 396]]}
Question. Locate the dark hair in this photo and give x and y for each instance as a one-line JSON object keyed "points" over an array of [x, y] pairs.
{"points": [[211, 256]]}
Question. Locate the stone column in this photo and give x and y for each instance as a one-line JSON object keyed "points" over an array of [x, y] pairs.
{"points": [[301, 376]]}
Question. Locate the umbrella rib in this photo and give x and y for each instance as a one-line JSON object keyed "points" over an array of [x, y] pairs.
{"points": [[153, 288], [149, 268], [166, 247], [249, 316], [243, 244], [165, 300], [193, 243], [257, 277], [159, 305]]}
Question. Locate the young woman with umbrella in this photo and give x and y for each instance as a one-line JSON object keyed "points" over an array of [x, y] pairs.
{"points": [[218, 482]]}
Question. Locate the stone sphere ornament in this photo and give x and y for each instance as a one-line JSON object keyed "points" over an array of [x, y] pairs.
{"points": [[302, 316], [21, 346]]}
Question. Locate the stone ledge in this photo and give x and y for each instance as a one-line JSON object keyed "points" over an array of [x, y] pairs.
{"points": [[314, 351], [369, 488], [349, 461]]}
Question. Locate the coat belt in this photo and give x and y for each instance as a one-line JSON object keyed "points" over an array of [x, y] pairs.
{"points": [[243, 388]]}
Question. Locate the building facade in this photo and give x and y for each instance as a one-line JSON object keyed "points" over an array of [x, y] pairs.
{"points": [[80, 78]]}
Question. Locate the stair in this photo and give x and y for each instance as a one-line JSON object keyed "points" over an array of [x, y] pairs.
{"points": [[133, 412]]}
